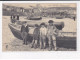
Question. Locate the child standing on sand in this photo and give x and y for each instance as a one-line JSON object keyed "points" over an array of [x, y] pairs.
{"points": [[52, 34], [24, 32], [36, 35], [43, 32]]}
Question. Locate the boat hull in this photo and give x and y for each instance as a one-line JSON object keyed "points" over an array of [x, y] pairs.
{"points": [[66, 42], [33, 18], [15, 32]]}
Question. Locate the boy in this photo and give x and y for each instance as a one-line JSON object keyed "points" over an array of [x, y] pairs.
{"points": [[36, 35], [24, 32], [51, 34], [43, 32]]}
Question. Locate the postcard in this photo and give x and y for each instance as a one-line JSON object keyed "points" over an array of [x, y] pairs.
{"points": [[39, 27]]}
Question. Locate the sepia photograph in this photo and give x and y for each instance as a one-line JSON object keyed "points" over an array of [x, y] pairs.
{"points": [[39, 27]]}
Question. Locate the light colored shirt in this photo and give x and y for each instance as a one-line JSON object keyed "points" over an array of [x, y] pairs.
{"points": [[43, 30], [52, 30]]}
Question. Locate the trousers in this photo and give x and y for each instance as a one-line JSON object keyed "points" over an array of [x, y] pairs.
{"points": [[24, 37]]}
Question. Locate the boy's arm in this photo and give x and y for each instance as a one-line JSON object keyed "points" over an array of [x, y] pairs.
{"points": [[21, 28], [28, 28], [46, 31], [55, 31], [40, 34]]}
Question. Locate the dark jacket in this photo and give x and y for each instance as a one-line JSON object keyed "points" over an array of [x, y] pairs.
{"points": [[24, 29], [36, 33]]}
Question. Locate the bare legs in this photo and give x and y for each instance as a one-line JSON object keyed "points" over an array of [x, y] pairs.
{"points": [[42, 42], [52, 39], [34, 44]]}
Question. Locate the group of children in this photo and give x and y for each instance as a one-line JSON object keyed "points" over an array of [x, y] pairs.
{"points": [[42, 33]]}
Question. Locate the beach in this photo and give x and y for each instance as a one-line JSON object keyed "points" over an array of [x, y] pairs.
{"points": [[11, 43]]}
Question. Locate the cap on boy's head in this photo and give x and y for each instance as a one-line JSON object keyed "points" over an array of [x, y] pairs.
{"points": [[50, 21], [42, 24], [36, 25]]}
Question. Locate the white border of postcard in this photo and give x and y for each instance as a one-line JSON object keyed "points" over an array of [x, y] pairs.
{"points": [[40, 55]]}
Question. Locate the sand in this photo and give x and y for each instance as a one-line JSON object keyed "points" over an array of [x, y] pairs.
{"points": [[11, 43]]}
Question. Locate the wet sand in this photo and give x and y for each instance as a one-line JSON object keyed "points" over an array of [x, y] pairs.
{"points": [[11, 43]]}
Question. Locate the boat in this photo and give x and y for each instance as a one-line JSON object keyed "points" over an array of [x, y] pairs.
{"points": [[66, 41], [59, 17], [34, 18], [15, 28]]}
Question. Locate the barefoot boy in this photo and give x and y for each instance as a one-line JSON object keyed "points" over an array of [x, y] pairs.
{"points": [[36, 35], [51, 34], [43, 31]]}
